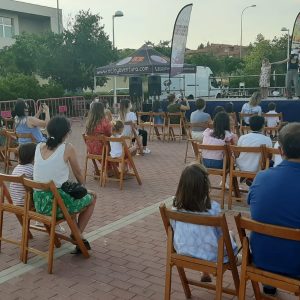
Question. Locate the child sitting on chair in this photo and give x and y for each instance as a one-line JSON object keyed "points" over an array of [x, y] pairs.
{"points": [[192, 196], [116, 147], [25, 167]]}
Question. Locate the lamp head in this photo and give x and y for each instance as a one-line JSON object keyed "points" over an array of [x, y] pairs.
{"points": [[284, 29], [254, 5], [118, 13]]}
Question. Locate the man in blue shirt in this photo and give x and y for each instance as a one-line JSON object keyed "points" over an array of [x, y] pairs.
{"points": [[274, 198]]}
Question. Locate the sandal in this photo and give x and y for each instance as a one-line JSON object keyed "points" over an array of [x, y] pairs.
{"points": [[77, 249]]}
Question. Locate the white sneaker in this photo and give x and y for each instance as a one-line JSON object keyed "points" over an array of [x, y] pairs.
{"points": [[146, 151], [60, 228], [38, 224]]}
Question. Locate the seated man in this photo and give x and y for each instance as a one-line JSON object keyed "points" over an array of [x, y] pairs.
{"points": [[250, 161], [199, 116], [175, 107], [274, 199]]}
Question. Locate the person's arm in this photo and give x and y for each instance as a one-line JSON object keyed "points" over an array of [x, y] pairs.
{"points": [[35, 122], [186, 106], [280, 62], [37, 115], [71, 156]]}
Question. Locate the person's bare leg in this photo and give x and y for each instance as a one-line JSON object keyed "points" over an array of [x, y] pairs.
{"points": [[85, 216]]}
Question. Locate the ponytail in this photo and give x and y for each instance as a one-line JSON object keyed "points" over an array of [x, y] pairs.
{"points": [[57, 128]]}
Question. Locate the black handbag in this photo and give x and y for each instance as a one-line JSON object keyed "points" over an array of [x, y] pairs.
{"points": [[74, 189]]}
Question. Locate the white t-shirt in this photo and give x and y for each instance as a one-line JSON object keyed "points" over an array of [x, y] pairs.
{"points": [[116, 148], [272, 121], [130, 116], [247, 109], [250, 161], [277, 157]]}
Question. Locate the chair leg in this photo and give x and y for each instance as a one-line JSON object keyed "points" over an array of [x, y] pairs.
{"points": [[230, 192], [1, 227], [168, 281], [223, 189], [256, 290], [184, 282], [26, 240], [51, 248], [105, 173], [186, 150], [122, 174], [85, 169]]}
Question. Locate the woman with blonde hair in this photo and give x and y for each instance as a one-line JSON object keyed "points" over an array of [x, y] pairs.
{"points": [[252, 107], [97, 124]]}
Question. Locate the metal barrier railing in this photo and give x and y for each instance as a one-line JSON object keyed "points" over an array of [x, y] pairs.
{"points": [[7, 107], [71, 107]]}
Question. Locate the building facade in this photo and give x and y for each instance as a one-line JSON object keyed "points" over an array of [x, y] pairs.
{"points": [[17, 17]]}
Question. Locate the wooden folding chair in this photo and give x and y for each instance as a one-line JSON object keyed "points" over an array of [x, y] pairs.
{"points": [[49, 222], [3, 145], [273, 131], [243, 128], [95, 157], [250, 272], [157, 127], [182, 261], [13, 147], [145, 120], [174, 128], [189, 128], [122, 162], [9, 123], [135, 136], [7, 206], [270, 153], [220, 172], [235, 172]]}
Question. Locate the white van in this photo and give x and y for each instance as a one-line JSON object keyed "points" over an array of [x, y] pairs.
{"points": [[199, 84]]}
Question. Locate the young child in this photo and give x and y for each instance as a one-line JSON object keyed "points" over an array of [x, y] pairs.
{"points": [[25, 167], [272, 121], [116, 147], [219, 136], [192, 196]]}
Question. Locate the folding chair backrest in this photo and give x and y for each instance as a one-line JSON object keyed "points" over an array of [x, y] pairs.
{"points": [[4, 189], [174, 117], [270, 153], [94, 138], [121, 140], [222, 148], [201, 125], [144, 117], [162, 115], [286, 233], [235, 151], [214, 221], [26, 136]]}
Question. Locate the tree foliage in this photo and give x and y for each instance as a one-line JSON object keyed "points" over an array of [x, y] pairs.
{"points": [[69, 58]]}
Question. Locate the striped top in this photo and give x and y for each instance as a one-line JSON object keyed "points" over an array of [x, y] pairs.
{"points": [[17, 190]]}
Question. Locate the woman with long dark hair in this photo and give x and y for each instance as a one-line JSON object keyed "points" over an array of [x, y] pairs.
{"points": [[51, 162], [219, 135], [97, 124], [27, 124]]}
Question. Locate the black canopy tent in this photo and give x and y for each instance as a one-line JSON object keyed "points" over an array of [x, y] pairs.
{"points": [[144, 61]]}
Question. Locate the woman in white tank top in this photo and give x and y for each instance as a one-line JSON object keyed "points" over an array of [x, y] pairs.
{"points": [[51, 162]]}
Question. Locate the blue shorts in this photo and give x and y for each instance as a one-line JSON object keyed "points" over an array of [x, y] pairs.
{"points": [[213, 163]]}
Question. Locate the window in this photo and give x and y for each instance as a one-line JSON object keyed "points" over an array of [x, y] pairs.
{"points": [[6, 27]]}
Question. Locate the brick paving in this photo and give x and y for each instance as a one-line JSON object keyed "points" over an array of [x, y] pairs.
{"points": [[128, 253]]}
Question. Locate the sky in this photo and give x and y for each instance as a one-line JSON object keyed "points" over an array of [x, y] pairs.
{"points": [[214, 21]]}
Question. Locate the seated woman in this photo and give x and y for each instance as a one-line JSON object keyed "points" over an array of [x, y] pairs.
{"points": [[27, 124], [252, 107], [219, 135], [51, 162], [97, 124]]}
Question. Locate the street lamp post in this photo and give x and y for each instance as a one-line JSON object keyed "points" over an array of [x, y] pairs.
{"points": [[288, 44], [58, 21], [116, 15], [241, 44]]}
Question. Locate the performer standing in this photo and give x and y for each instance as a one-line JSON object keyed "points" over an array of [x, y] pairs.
{"points": [[292, 73]]}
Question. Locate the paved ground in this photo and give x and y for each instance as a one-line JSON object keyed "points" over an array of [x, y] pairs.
{"points": [[127, 238]]}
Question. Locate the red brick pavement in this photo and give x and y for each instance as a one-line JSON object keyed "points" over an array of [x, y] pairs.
{"points": [[128, 263]]}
